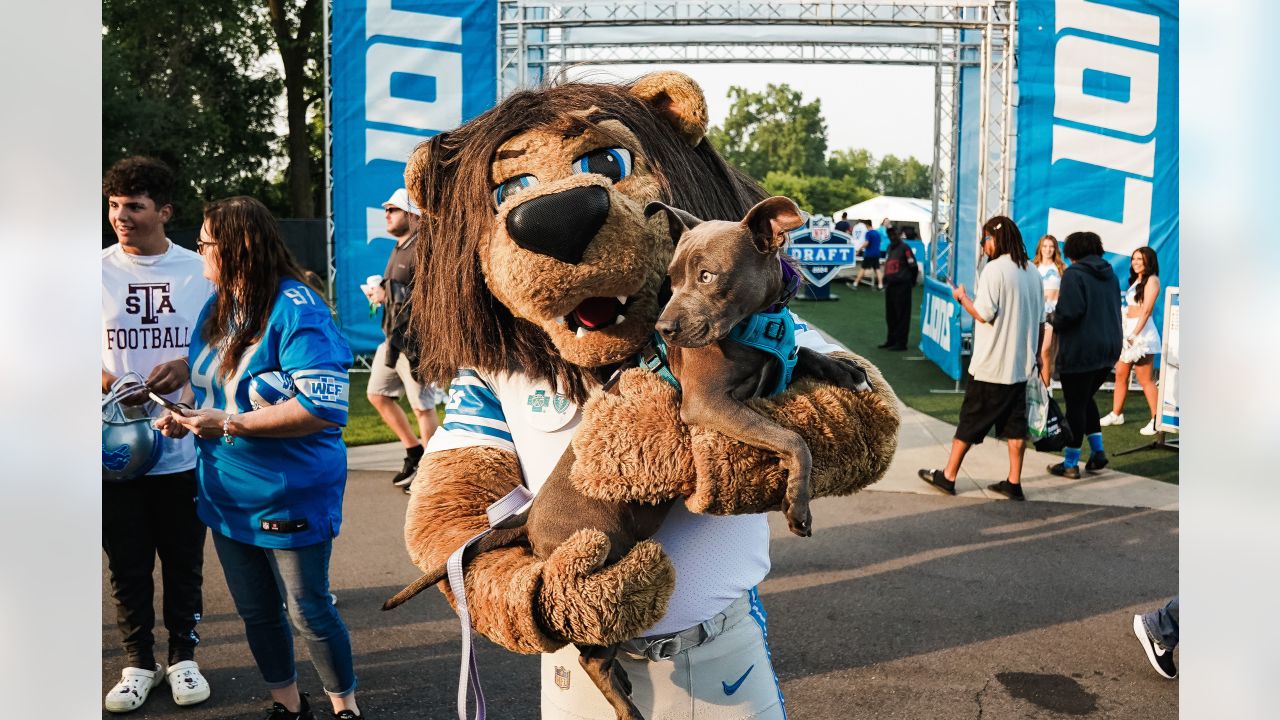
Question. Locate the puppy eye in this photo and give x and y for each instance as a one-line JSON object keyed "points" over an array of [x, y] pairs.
{"points": [[706, 276], [613, 163], [511, 186]]}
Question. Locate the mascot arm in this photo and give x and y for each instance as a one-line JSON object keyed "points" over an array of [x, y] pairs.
{"points": [[517, 601], [632, 446]]}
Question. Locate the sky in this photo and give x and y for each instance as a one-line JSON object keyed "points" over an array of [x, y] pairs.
{"points": [[884, 109]]}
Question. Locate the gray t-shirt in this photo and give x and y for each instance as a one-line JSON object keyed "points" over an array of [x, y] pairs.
{"points": [[1011, 301]]}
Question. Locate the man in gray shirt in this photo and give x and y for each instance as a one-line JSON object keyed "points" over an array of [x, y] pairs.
{"points": [[1008, 306]]}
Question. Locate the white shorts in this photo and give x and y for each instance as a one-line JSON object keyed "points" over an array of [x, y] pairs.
{"points": [[729, 677], [392, 382]]}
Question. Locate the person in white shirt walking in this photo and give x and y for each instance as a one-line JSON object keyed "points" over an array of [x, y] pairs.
{"points": [[1008, 307], [152, 291]]}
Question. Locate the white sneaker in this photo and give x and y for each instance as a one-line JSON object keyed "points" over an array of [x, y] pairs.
{"points": [[1111, 419], [1149, 428], [132, 690], [187, 684]]}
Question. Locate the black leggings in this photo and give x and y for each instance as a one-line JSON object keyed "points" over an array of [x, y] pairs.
{"points": [[1078, 390]]}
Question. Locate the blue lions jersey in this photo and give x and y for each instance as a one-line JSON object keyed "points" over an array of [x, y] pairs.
{"points": [[277, 492]]}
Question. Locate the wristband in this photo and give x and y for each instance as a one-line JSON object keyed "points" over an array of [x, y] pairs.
{"points": [[226, 430]]}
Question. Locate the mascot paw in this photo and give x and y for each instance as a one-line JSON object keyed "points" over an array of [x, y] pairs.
{"points": [[584, 603]]}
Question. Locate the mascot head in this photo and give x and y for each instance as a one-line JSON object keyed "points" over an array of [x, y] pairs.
{"points": [[536, 254]]}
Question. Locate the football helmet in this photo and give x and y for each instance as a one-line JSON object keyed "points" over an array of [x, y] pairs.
{"points": [[271, 388], [130, 443]]}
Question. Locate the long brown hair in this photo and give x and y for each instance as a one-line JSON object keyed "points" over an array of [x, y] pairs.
{"points": [[252, 260], [1057, 254], [1150, 267], [1008, 239], [466, 324]]}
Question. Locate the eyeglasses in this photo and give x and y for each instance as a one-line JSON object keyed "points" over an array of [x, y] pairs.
{"points": [[201, 244]]}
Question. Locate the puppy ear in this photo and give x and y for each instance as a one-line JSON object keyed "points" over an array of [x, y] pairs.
{"points": [[770, 220], [678, 221], [678, 100]]}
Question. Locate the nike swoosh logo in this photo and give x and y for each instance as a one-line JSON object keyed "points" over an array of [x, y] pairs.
{"points": [[731, 689]]}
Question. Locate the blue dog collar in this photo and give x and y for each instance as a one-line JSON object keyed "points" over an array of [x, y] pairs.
{"points": [[654, 359], [773, 333]]}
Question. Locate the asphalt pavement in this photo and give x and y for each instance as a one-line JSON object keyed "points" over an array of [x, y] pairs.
{"points": [[904, 604]]}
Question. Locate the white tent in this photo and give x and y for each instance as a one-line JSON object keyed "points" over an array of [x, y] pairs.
{"points": [[897, 209]]}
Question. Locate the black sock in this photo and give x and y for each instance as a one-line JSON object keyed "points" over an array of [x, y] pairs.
{"points": [[415, 452]]}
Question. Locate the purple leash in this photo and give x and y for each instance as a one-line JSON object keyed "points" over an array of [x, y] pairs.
{"points": [[498, 513]]}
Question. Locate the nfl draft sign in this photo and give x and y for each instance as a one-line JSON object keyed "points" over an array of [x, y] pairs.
{"points": [[822, 252]]}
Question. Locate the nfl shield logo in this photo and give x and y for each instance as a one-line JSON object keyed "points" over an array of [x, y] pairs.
{"points": [[820, 233], [562, 677]]}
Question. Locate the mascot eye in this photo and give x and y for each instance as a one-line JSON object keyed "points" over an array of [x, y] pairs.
{"points": [[613, 163], [706, 276], [511, 186]]}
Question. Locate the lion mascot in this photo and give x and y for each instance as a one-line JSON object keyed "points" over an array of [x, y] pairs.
{"points": [[539, 276]]}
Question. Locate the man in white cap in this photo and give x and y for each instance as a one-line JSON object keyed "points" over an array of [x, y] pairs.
{"points": [[391, 372]]}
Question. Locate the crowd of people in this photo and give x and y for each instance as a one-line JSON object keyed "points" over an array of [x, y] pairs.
{"points": [[1040, 317]]}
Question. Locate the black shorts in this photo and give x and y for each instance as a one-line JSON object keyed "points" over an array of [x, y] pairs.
{"points": [[871, 263], [991, 405]]}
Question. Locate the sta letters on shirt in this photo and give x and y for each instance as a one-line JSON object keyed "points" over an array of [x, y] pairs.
{"points": [[149, 308]]}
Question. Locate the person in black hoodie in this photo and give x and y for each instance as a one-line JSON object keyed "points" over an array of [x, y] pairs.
{"points": [[1087, 324], [899, 276]]}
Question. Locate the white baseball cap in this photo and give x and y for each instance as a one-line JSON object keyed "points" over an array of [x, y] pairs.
{"points": [[400, 199]]}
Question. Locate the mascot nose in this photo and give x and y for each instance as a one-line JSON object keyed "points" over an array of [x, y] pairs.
{"points": [[560, 225]]}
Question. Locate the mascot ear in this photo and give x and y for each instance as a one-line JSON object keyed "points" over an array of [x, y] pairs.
{"points": [[678, 221], [415, 169], [769, 221], [678, 99]]}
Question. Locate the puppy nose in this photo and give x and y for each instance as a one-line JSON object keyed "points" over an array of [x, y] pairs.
{"points": [[668, 328], [560, 225]]}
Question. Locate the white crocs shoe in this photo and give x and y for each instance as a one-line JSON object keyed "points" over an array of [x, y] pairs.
{"points": [[132, 690], [1111, 419], [188, 685]]}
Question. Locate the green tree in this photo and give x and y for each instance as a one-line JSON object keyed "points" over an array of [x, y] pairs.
{"points": [[904, 177], [296, 26], [856, 164], [185, 82], [774, 130]]}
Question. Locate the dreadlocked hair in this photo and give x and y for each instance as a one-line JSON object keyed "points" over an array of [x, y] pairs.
{"points": [[1008, 239], [449, 178], [252, 260]]}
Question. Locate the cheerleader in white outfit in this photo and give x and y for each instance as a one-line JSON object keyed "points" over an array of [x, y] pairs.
{"points": [[1048, 262], [1141, 339]]}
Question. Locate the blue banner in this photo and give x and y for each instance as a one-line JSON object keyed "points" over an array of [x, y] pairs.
{"points": [[401, 71], [1098, 126], [940, 327]]}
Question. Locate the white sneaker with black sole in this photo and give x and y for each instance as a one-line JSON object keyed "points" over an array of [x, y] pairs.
{"points": [[131, 692], [187, 684]]}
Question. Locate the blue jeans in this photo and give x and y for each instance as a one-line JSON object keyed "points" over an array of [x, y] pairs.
{"points": [[1162, 625], [262, 581]]}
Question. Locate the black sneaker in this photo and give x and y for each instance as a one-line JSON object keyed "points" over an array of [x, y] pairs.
{"points": [[347, 715], [1097, 461], [1007, 489], [405, 476], [938, 480], [1161, 659], [279, 712], [1070, 473], [885, 345]]}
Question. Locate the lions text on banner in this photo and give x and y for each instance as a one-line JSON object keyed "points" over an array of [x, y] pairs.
{"points": [[1098, 126], [399, 75], [940, 327]]}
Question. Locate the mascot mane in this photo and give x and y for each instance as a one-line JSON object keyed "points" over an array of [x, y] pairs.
{"points": [[461, 323]]}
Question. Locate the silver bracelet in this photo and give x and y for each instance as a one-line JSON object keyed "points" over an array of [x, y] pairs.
{"points": [[226, 430]]}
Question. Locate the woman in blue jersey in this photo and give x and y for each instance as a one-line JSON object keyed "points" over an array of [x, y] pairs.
{"points": [[271, 478]]}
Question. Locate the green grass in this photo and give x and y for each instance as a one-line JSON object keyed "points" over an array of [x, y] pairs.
{"points": [[857, 320], [364, 425]]}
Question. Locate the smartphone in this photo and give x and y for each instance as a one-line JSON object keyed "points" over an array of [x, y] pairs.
{"points": [[172, 407]]}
